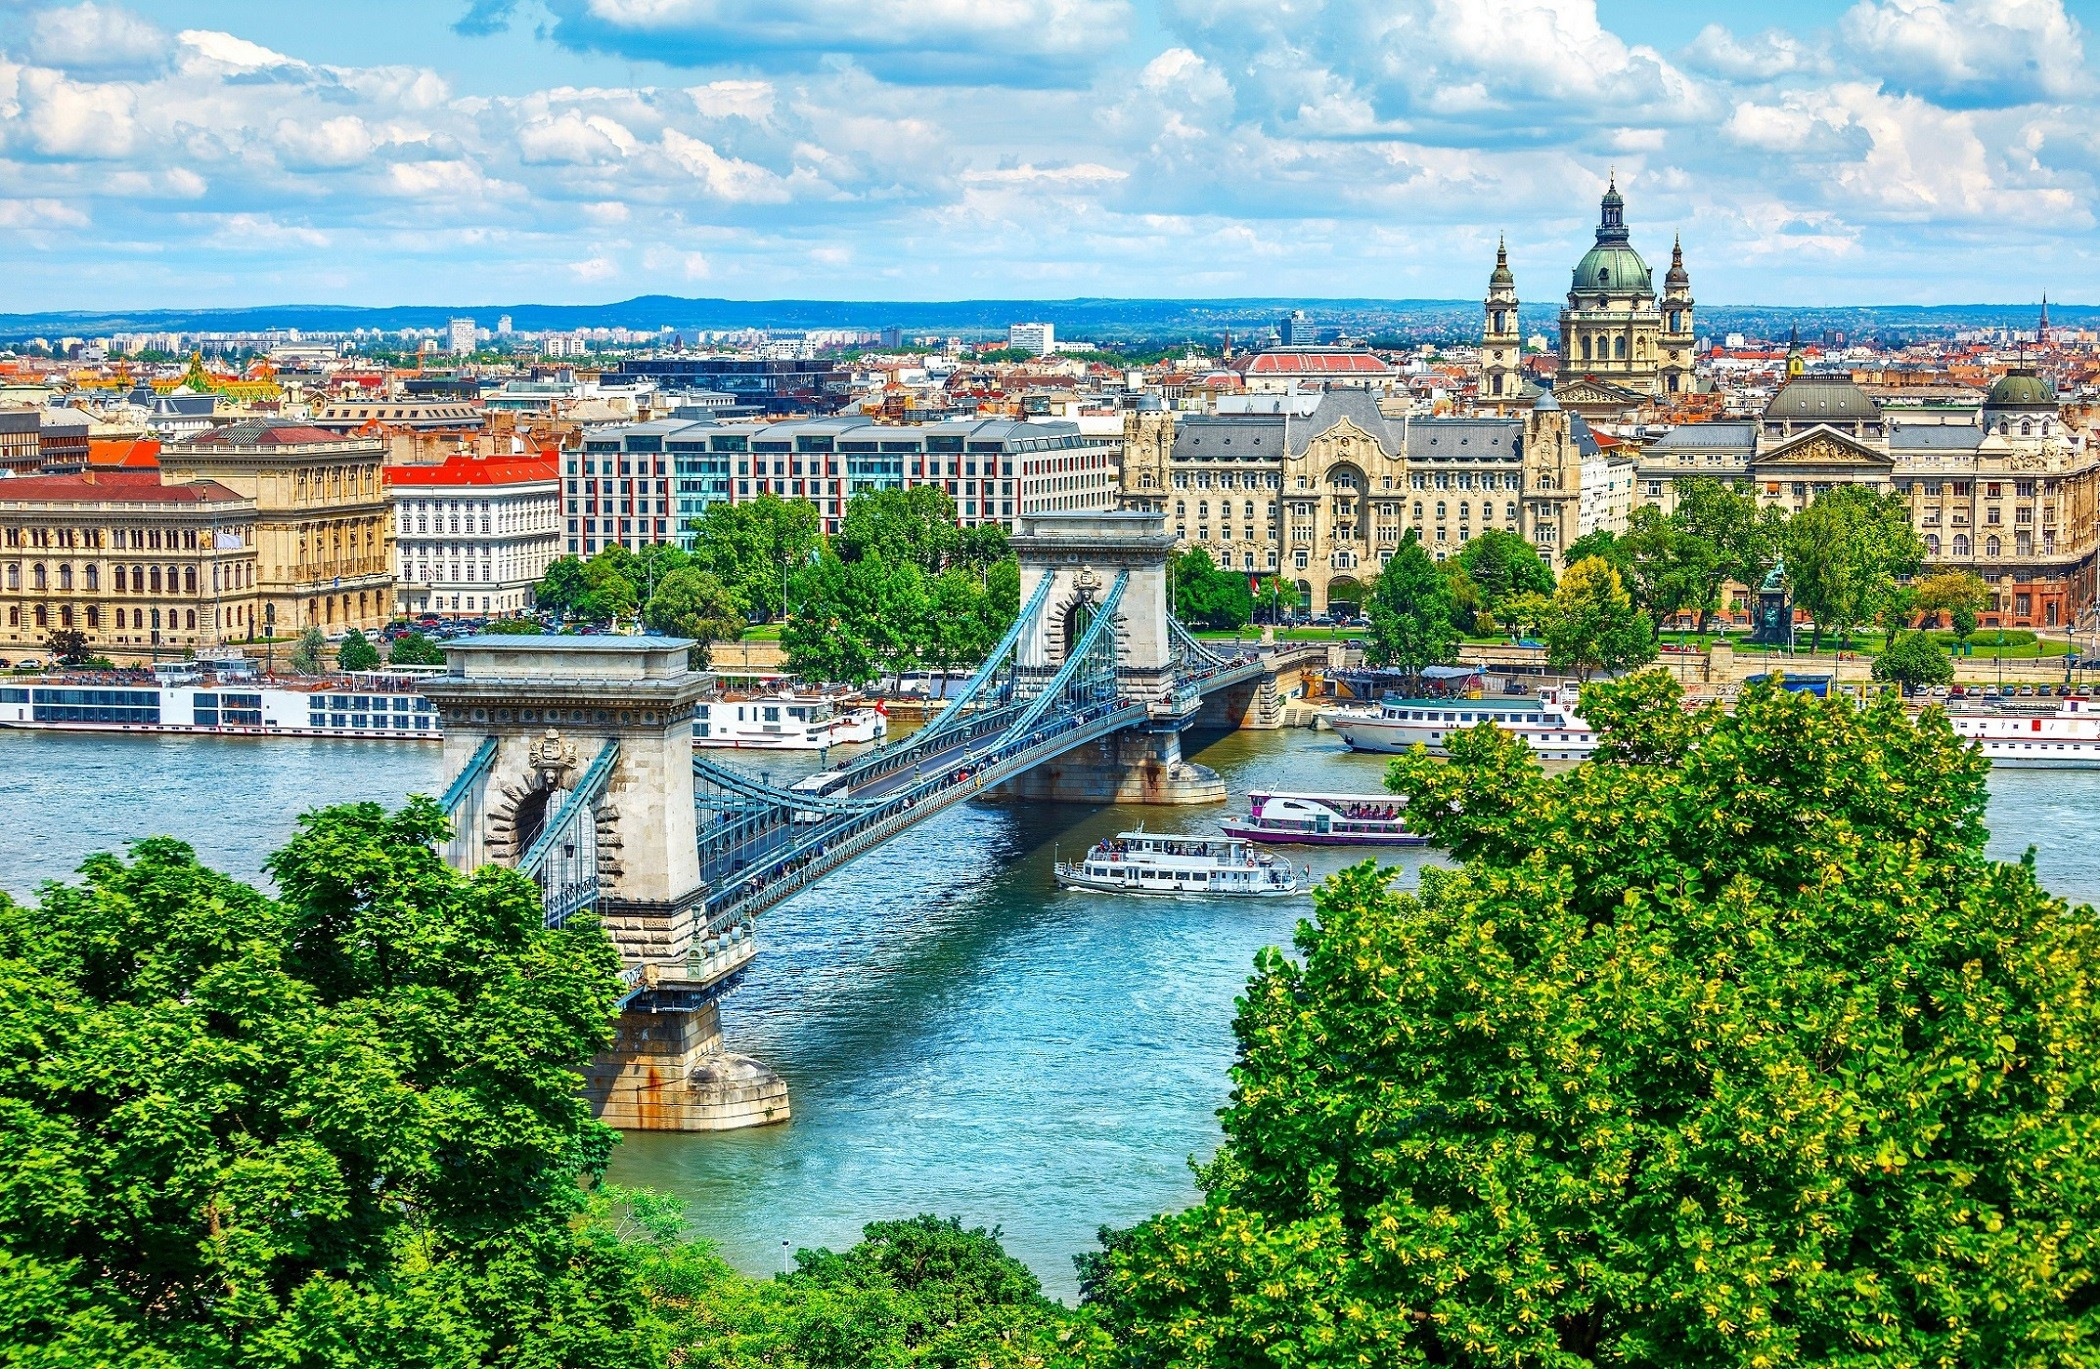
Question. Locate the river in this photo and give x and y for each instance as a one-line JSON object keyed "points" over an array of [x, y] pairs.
{"points": [[959, 1035]]}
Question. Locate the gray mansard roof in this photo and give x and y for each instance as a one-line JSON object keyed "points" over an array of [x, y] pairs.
{"points": [[1706, 437], [1935, 437]]}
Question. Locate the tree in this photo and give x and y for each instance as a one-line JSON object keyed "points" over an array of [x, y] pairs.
{"points": [[610, 592], [355, 653], [562, 588], [341, 1126], [1845, 554], [917, 525], [413, 648], [1727, 1047], [68, 646], [756, 549], [1666, 569], [1914, 661], [307, 655], [693, 603], [1591, 623], [1732, 539], [1602, 543], [1207, 596], [1957, 595], [513, 627], [1502, 566], [1411, 611]]}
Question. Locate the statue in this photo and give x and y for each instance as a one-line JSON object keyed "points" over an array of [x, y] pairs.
{"points": [[1774, 621]]}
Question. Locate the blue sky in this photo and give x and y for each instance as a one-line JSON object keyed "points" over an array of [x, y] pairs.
{"points": [[477, 151]]}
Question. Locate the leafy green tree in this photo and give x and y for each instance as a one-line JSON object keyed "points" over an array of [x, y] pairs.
{"points": [[610, 591], [1502, 565], [1667, 570], [1207, 596], [917, 525], [1958, 595], [1845, 554], [1916, 660], [342, 1126], [513, 627], [355, 653], [1729, 1047], [1590, 624], [1411, 611], [68, 646], [413, 648], [562, 589], [757, 549], [307, 655], [1601, 543], [693, 603], [920, 1292], [1734, 539], [857, 620]]}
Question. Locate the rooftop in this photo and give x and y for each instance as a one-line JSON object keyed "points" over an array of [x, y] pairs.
{"points": [[113, 487], [270, 432], [474, 470]]}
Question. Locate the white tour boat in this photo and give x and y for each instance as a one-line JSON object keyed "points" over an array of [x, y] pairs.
{"points": [[1324, 820], [1548, 724], [2069, 738], [786, 722], [1144, 862]]}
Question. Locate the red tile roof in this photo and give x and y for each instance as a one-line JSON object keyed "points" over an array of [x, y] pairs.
{"points": [[132, 453], [115, 487], [1312, 364], [476, 470]]}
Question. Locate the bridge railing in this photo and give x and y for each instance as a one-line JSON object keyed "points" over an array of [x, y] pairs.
{"points": [[462, 802]]}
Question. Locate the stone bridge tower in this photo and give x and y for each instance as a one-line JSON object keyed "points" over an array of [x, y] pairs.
{"points": [[551, 706], [1082, 554]]}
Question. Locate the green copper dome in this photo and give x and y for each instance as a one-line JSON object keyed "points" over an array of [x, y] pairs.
{"points": [[1615, 267], [2019, 389]]}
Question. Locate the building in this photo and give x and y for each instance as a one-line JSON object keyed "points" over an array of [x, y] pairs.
{"points": [[1295, 329], [1283, 369], [1323, 499], [1614, 332], [2008, 492], [773, 385], [638, 483], [137, 566], [62, 439], [1036, 339], [402, 412], [321, 525], [1501, 338], [473, 535], [460, 336], [21, 441]]}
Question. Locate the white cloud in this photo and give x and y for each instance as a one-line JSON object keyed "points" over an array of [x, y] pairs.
{"points": [[329, 145], [97, 39], [1771, 54], [1995, 52], [38, 214], [575, 138], [595, 269], [733, 100], [725, 178], [65, 118], [206, 49]]}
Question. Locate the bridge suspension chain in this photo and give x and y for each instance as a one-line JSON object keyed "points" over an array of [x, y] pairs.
{"points": [[563, 858]]}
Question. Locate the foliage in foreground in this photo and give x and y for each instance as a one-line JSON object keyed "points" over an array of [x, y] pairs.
{"points": [[340, 1127], [1730, 1047]]}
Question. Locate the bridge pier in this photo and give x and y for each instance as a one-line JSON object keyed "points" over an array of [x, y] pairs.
{"points": [[668, 1072], [1140, 764]]}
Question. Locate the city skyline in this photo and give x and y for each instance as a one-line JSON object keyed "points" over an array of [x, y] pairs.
{"points": [[577, 151]]}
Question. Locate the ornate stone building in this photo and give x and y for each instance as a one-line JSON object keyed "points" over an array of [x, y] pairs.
{"points": [[2009, 493], [1619, 344], [1323, 499], [138, 567], [322, 532]]}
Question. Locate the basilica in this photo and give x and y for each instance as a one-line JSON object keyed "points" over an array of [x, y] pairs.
{"points": [[1620, 344]]}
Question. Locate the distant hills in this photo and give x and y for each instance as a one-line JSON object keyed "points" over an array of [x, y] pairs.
{"points": [[1104, 319]]}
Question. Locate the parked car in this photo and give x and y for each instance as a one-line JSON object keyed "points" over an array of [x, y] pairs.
{"points": [[30, 663]]}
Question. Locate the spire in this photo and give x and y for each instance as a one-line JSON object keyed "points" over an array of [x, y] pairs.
{"points": [[1677, 279], [1611, 218], [2041, 332], [1502, 274], [1795, 362]]}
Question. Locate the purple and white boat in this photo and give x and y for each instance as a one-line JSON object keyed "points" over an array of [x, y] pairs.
{"points": [[1324, 820]]}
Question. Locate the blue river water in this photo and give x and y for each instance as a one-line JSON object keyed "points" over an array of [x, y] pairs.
{"points": [[959, 1035]]}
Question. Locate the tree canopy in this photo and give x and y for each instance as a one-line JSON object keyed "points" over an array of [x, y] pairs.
{"points": [[354, 652], [1411, 611], [689, 602], [1207, 596], [1503, 566], [755, 549], [1727, 1047], [1590, 623], [342, 1126], [1844, 555], [1915, 659], [413, 648]]}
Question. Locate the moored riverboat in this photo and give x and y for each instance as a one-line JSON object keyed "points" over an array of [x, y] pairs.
{"points": [[365, 707], [1323, 820], [786, 722], [2067, 739], [1549, 724], [1144, 862]]}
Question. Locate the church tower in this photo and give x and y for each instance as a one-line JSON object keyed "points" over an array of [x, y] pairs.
{"points": [[1611, 329], [1675, 340], [1501, 339]]}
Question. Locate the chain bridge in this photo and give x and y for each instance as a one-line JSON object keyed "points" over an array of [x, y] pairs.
{"points": [[573, 762]]}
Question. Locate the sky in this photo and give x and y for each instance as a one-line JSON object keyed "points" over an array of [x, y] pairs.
{"points": [[218, 153]]}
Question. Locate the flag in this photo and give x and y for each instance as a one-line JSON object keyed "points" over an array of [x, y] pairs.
{"points": [[226, 541]]}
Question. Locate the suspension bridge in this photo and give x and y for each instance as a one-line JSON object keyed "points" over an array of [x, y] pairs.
{"points": [[574, 764]]}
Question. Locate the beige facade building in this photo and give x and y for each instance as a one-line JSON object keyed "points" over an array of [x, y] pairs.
{"points": [[1322, 500], [2011, 494], [138, 567], [323, 536]]}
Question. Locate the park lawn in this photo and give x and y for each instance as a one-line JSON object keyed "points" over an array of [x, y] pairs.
{"points": [[1285, 634]]}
